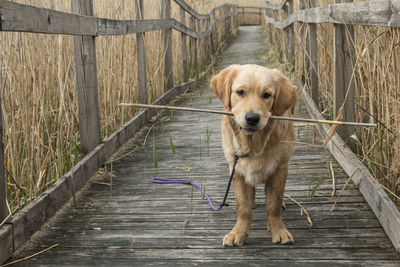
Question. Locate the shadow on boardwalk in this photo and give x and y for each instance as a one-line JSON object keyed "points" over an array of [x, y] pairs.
{"points": [[139, 223]]}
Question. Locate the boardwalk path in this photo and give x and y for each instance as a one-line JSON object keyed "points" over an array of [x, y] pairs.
{"points": [[139, 223]]}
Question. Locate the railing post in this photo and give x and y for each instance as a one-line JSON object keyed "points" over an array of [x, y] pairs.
{"points": [[167, 36], [141, 56], [277, 37], [193, 45], [184, 48], [343, 82], [199, 42], [3, 179], [86, 82], [242, 16], [259, 16], [312, 57], [288, 10]]}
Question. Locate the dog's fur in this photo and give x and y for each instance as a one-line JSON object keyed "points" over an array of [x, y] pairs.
{"points": [[268, 144]]}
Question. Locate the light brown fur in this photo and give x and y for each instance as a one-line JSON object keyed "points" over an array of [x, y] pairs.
{"points": [[265, 92]]}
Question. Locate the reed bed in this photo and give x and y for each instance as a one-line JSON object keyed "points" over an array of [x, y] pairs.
{"points": [[377, 79], [40, 113]]}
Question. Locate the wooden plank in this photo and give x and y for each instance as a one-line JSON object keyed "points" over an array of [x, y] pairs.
{"points": [[183, 48], [193, 46], [167, 36], [381, 204], [384, 13], [6, 242], [191, 11], [312, 58], [86, 83], [25, 18], [141, 55], [343, 80]]}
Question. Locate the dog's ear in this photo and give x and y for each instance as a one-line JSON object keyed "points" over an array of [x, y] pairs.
{"points": [[285, 95], [221, 84]]}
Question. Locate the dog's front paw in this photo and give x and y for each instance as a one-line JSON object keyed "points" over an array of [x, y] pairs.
{"points": [[281, 235], [234, 239]]}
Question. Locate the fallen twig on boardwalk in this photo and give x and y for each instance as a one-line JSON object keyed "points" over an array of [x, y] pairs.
{"points": [[302, 209], [214, 111], [31, 256]]}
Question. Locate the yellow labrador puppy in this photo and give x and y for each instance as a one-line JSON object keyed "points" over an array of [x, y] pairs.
{"points": [[253, 93]]}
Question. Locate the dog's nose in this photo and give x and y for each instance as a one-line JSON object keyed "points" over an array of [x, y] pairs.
{"points": [[252, 119]]}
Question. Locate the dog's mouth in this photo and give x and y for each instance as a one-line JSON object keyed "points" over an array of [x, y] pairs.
{"points": [[249, 130]]}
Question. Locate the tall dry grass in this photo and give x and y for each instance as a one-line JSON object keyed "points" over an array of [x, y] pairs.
{"points": [[377, 79], [40, 119]]}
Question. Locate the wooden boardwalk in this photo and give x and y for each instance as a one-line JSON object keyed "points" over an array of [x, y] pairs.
{"points": [[138, 223]]}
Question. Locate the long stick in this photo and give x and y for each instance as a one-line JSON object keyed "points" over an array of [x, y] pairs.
{"points": [[231, 114]]}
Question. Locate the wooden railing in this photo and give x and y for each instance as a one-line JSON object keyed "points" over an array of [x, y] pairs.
{"points": [[218, 26], [343, 16]]}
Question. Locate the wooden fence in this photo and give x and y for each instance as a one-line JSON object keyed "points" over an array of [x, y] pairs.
{"points": [[343, 16], [218, 25]]}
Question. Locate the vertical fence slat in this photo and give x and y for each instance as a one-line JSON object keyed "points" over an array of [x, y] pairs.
{"points": [[242, 16], [184, 48], [312, 57], [167, 36], [3, 180], [141, 55], [289, 32], [343, 81], [86, 82], [193, 45]]}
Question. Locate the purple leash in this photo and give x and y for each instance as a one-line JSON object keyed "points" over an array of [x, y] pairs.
{"points": [[160, 180]]}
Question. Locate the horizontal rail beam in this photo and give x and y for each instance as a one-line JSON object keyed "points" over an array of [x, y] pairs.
{"points": [[384, 13], [24, 18]]}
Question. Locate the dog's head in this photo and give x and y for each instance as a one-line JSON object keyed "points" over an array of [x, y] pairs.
{"points": [[253, 93]]}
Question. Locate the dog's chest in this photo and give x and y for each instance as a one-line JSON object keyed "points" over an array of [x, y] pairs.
{"points": [[256, 170]]}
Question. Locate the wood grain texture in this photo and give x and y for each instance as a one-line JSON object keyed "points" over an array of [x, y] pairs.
{"points": [[141, 223], [86, 83], [141, 55], [374, 13]]}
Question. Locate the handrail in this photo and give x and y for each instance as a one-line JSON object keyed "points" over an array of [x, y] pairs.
{"points": [[25, 18], [384, 13], [190, 10]]}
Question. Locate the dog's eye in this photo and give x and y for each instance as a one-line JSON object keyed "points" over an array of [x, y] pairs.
{"points": [[266, 95], [240, 93]]}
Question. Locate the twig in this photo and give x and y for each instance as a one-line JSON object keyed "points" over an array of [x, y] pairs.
{"points": [[302, 209], [341, 191], [31, 256], [231, 114], [333, 179]]}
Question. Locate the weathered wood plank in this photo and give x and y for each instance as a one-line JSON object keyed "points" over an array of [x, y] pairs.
{"points": [[384, 13], [183, 48], [167, 37], [86, 83], [191, 11], [343, 79], [141, 55], [25, 18], [6, 241]]}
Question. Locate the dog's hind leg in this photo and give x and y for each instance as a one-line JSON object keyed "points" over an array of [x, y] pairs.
{"points": [[244, 205]]}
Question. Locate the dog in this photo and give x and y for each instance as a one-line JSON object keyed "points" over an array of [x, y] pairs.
{"points": [[253, 94]]}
